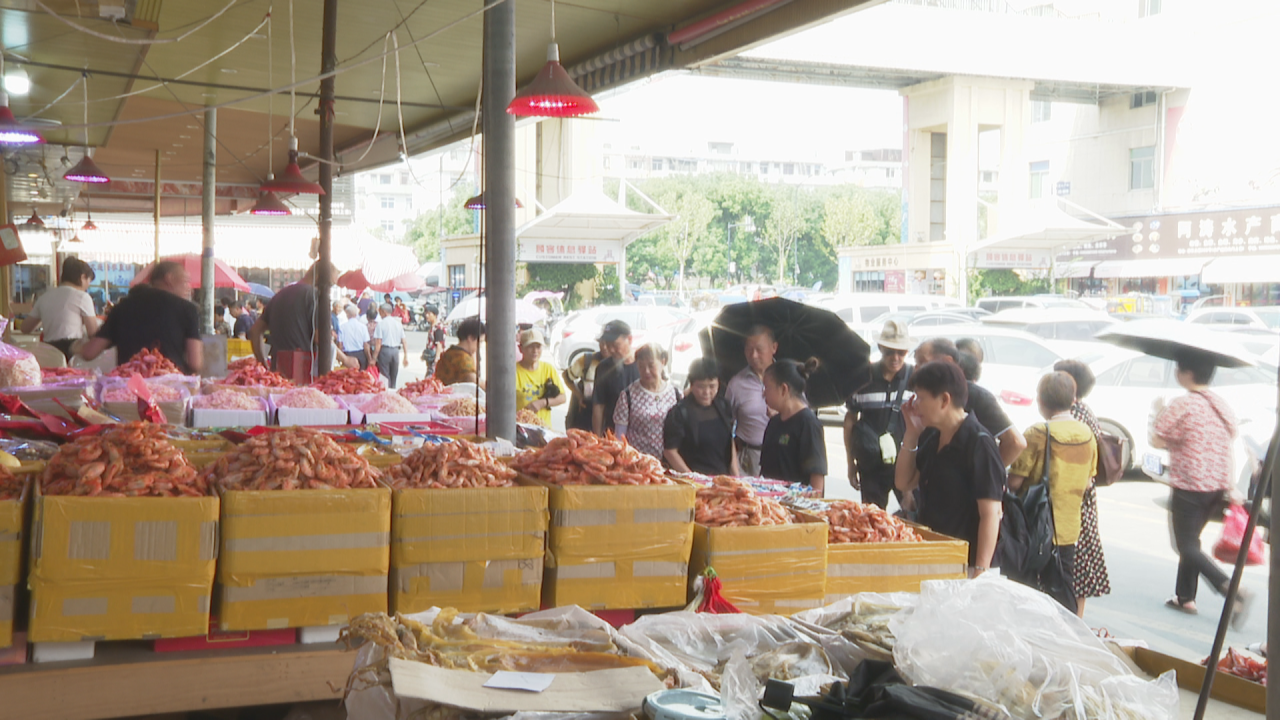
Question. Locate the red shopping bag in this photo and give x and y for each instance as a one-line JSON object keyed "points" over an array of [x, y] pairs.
{"points": [[1234, 519]]}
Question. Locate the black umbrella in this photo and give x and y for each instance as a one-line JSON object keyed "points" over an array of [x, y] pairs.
{"points": [[1170, 339], [802, 332]]}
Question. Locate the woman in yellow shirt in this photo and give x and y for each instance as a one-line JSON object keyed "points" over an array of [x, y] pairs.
{"points": [[538, 386], [1073, 460]]}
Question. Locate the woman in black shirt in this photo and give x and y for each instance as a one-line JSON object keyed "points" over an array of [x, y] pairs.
{"points": [[793, 448], [698, 432]]}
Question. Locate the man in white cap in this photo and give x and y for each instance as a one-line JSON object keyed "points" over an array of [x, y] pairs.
{"points": [[873, 425], [538, 386]]}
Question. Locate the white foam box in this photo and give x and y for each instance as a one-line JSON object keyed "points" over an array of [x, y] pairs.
{"points": [[46, 652], [286, 416], [212, 417], [319, 634], [359, 417]]}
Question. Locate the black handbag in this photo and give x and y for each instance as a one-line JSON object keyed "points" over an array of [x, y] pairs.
{"points": [[867, 440]]}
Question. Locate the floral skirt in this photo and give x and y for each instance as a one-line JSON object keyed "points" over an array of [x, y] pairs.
{"points": [[1091, 565]]}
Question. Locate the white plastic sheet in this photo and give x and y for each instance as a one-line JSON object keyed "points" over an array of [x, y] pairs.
{"points": [[997, 640]]}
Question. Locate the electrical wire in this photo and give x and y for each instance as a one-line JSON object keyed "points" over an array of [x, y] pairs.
{"points": [[293, 74], [132, 41], [322, 76], [382, 93]]}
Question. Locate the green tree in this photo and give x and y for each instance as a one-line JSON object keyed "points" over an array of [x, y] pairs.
{"points": [[425, 232], [559, 277], [996, 282], [850, 219], [782, 231], [608, 290]]}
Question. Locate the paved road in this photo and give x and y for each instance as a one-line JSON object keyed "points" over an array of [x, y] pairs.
{"points": [[1135, 538]]}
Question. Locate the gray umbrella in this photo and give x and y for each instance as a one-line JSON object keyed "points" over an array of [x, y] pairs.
{"points": [[1170, 339]]}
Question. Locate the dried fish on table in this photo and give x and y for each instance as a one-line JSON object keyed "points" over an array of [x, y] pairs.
{"points": [[867, 626]]}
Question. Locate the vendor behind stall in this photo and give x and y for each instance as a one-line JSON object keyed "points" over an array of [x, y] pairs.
{"points": [[66, 311], [291, 319], [157, 314]]}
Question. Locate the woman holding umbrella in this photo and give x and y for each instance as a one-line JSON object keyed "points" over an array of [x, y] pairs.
{"points": [[1197, 429]]}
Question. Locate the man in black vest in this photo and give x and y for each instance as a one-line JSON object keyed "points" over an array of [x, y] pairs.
{"points": [[873, 425]]}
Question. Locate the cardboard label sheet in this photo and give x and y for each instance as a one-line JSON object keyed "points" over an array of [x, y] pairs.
{"points": [[121, 568], [475, 549], [893, 567], [618, 547], [303, 558]]}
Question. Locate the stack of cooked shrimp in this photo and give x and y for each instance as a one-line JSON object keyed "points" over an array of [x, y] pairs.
{"points": [[581, 458]]}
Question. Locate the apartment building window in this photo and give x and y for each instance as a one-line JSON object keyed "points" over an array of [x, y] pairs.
{"points": [[388, 226], [1039, 179], [788, 169], [404, 178], [457, 275], [1142, 99], [764, 168], [1147, 8], [635, 164], [606, 160], [1041, 111], [1142, 168], [387, 203], [937, 187], [384, 179], [408, 203], [657, 163]]}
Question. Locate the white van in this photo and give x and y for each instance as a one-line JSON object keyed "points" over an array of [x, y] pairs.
{"points": [[1035, 302], [857, 309]]}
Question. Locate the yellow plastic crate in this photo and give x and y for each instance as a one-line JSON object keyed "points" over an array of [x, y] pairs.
{"points": [[237, 348]]}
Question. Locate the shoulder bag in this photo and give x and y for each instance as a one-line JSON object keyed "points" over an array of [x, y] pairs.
{"points": [[867, 441]]}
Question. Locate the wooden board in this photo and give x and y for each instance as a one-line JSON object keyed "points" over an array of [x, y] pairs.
{"points": [[128, 679]]}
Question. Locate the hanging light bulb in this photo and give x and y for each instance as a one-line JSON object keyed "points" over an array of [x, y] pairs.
{"points": [[11, 131], [86, 171], [552, 93], [89, 224], [75, 238], [477, 203], [34, 220], [269, 204], [292, 180]]}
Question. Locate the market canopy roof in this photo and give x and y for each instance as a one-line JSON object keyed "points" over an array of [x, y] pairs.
{"points": [[1043, 225], [588, 215], [149, 97]]}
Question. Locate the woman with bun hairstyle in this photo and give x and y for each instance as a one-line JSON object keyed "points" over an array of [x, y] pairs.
{"points": [[793, 449]]}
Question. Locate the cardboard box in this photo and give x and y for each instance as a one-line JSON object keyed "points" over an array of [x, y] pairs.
{"points": [[475, 549], [618, 547], [768, 568], [175, 412], [893, 567], [13, 520], [212, 417], [121, 568], [1227, 688], [8, 594], [302, 558]]}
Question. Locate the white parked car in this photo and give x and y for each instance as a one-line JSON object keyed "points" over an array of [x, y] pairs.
{"points": [[580, 331], [1015, 302], [1263, 318], [1069, 331], [857, 309], [686, 346]]}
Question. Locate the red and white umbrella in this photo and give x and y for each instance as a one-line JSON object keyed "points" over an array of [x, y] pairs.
{"points": [[355, 280], [224, 276]]}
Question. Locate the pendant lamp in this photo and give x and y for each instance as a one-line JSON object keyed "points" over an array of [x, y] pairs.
{"points": [[552, 93], [11, 131], [86, 171], [75, 238], [477, 203], [292, 180], [269, 204], [34, 220]]}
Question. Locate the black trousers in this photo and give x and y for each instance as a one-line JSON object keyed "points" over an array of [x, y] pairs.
{"points": [[63, 345], [360, 355], [876, 486], [389, 364], [1189, 512]]}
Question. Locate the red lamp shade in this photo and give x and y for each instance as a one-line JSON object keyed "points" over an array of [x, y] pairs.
{"points": [[34, 220], [269, 204], [86, 171], [477, 203], [75, 238], [292, 181], [11, 132], [89, 225], [552, 93]]}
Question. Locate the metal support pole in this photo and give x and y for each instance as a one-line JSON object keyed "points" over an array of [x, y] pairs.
{"points": [[207, 207], [1272, 480], [155, 211], [324, 271], [6, 273], [500, 201]]}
